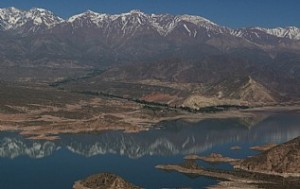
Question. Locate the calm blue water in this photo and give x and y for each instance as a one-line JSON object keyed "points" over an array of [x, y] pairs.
{"points": [[31, 164]]}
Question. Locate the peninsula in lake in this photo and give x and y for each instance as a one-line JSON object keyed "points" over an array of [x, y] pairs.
{"points": [[275, 168]]}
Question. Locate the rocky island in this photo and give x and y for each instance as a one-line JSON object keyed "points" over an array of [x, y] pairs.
{"points": [[104, 181], [212, 158]]}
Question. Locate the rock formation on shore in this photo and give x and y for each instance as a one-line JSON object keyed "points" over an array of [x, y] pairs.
{"points": [[283, 159], [104, 181]]}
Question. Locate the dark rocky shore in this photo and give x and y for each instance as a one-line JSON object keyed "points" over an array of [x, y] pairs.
{"points": [[276, 168]]}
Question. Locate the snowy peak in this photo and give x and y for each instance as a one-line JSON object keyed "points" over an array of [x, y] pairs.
{"points": [[136, 11], [10, 10], [13, 19], [98, 17], [131, 14], [41, 16], [197, 20], [288, 32], [259, 33], [86, 15], [9, 17]]}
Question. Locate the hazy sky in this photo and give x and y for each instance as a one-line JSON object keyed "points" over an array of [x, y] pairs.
{"points": [[232, 13]]}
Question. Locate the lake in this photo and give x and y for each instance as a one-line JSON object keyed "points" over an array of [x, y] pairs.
{"points": [[58, 164]]}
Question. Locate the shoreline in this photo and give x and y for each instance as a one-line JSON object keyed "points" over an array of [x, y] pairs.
{"points": [[243, 173], [136, 120]]}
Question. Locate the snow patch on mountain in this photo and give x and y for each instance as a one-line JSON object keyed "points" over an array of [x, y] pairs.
{"points": [[187, 29], [163, 23]]}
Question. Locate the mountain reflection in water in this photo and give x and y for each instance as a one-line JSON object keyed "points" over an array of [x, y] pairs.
{"points": [[167, 139]]}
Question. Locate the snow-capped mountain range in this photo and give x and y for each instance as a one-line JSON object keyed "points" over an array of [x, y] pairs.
{"points": [[163, 24], [38, 46], [14, 19], [41, 20]]}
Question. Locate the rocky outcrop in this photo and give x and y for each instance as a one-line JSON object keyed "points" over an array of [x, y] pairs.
{"points": [[255, 92], [104, 181], [281, 160]]}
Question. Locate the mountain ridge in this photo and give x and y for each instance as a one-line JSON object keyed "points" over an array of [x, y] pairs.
{"points": [[40, 47], [12, 19]]}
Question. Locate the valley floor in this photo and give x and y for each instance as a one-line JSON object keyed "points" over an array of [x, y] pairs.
{"points": [[40, 112]]}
